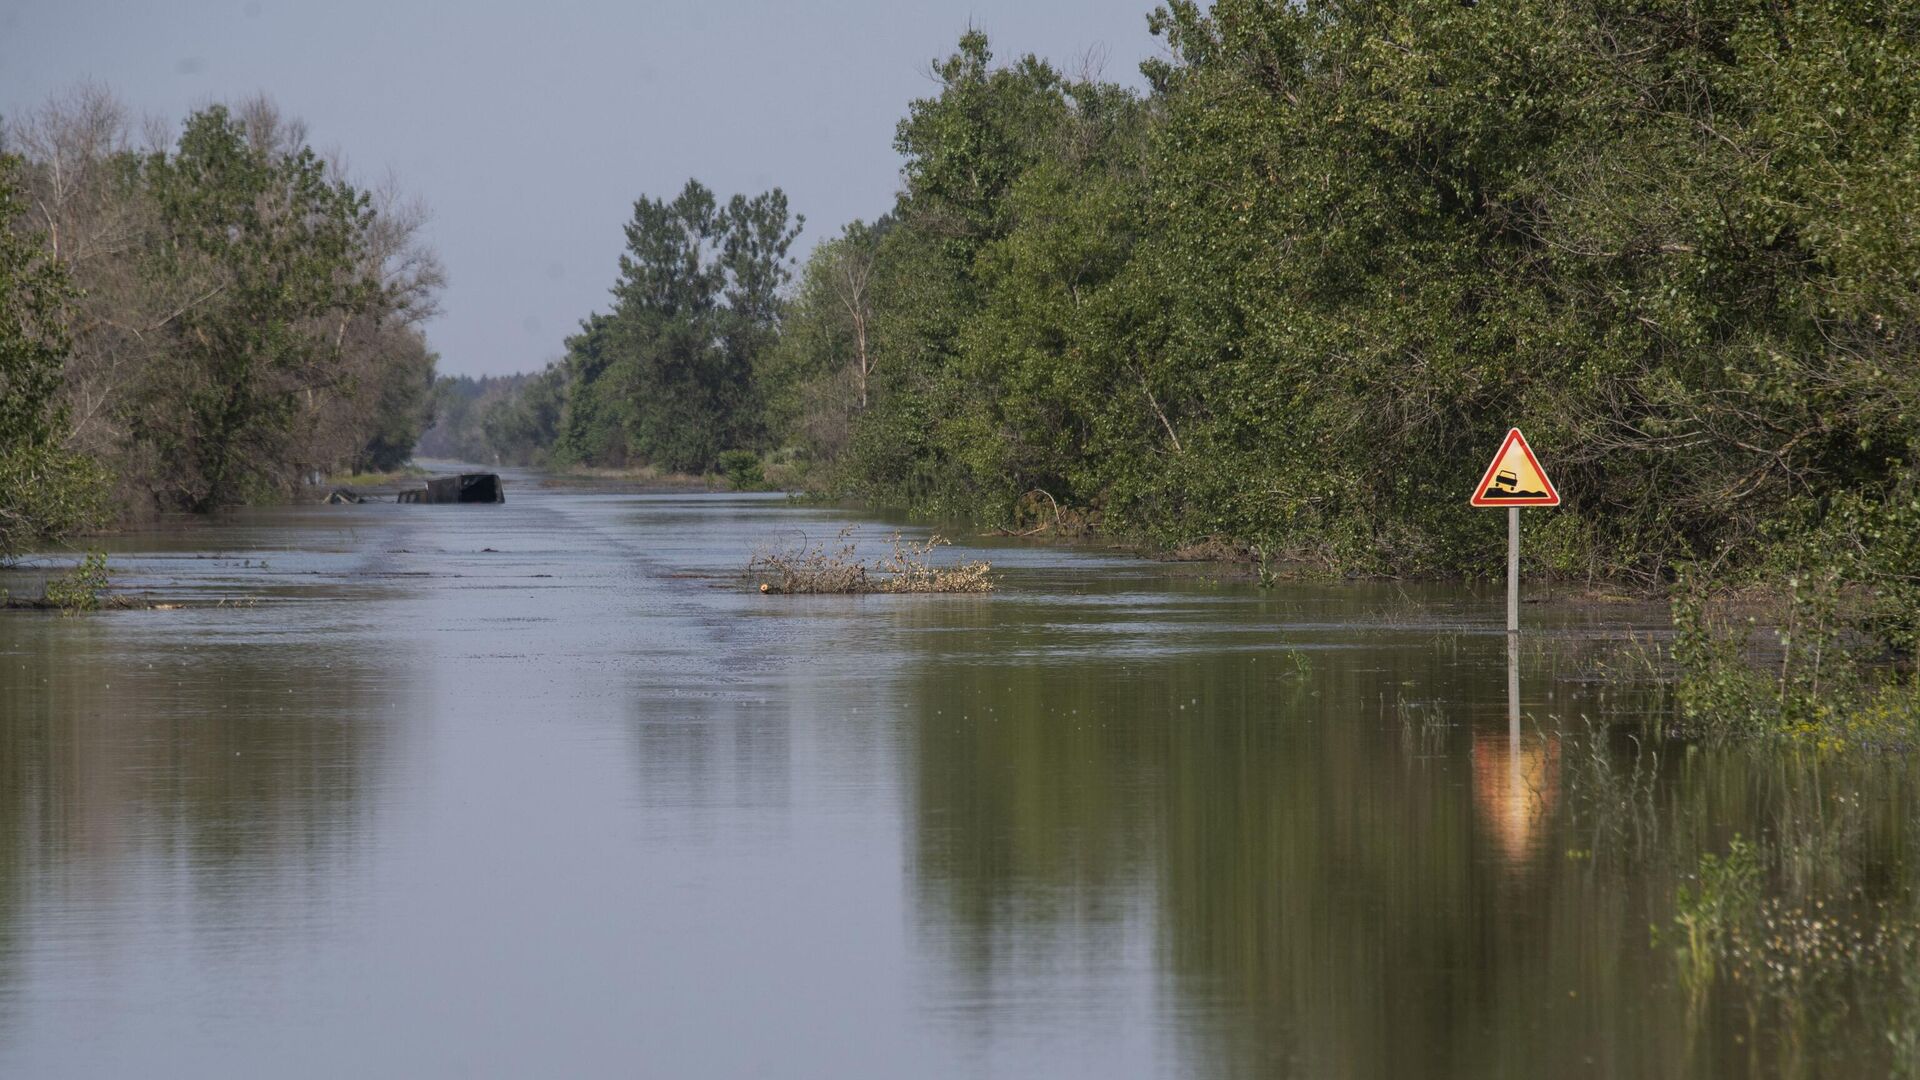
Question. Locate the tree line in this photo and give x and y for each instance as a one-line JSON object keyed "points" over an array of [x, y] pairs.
{"points": [[492, 419], [1292, 294], [193, 321], [1286, 298]]}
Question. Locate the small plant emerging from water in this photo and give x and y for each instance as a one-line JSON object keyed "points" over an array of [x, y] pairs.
{"points": [[907, 567], [1709, 912], [79, 589], [1810, 971]]}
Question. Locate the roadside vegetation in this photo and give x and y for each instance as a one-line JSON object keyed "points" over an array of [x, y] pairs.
{"points": [[1281, 301], [1287, 296], [493, 419], [198, 320], [1287, 299]]}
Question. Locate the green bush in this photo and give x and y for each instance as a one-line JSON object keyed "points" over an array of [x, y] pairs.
{"points": [[742, 470], [79, 589], [46, 491], [1838, 593]]}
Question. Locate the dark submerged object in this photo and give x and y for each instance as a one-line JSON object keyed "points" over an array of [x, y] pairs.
{"points": [[340, 496], [465, 488]]}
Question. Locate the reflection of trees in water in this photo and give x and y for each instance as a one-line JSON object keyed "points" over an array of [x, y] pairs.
{"points": [[126, 763], [1030, 813], [1326, 902], [698, 757]]}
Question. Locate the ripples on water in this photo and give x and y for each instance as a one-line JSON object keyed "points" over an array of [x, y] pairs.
{"points": [[581, 805]]}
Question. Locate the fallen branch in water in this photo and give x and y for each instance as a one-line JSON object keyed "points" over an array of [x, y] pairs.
{"points": [[907, 568]]}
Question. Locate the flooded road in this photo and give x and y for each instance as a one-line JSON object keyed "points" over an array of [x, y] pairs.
{"points": [[542, 789]]}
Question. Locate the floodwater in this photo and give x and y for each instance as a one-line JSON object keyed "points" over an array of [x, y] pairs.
{"points": [[544, 789]]}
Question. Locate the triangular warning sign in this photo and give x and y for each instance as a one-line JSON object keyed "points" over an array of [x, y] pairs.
{"points": [[1515, 478]]}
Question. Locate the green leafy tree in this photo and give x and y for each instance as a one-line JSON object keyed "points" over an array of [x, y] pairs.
{"points": [[399, 407], [818, 379], [518, 429], [1297, 290], [46, 491], [666, 377], [273, 246]]}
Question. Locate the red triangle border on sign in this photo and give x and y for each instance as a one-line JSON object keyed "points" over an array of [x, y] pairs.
{"points": [[1551, 498]]}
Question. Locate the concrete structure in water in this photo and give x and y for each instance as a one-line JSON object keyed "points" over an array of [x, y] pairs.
{"points": [[464, 488]]}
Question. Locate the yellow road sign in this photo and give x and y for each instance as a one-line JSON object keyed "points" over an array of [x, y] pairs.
{"points": [[1515, 477]]}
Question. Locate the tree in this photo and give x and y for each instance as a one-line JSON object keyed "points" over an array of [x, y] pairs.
{"points": [[243, 317], [45, 489], [518, 428], [276, 248], [666, 377], [815, 381], [847, 277]]}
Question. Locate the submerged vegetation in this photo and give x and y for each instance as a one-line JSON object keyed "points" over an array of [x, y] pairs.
{"points": [[1839, 596], [1805, 972], [84, 588], [907, 567], [80, 589]]}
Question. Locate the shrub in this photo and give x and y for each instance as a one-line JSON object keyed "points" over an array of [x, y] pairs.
{"points": [[742, 470], [79, 589], [1839, 592]]}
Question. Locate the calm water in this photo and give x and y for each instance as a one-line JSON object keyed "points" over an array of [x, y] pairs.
{"points": [[541, 790]]}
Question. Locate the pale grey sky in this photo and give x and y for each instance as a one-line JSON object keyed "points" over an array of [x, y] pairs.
{"points": [[529, 129]]}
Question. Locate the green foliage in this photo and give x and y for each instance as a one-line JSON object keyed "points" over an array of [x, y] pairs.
{"points": [[79, 589], [278, 244], [399, 412], [240, 318], [460, 405], [992, 326], [1838, 591], [817, 381], [666, 378], [46, 491], [742, 470], [518, 429], [1708, 913], [1294, 294]]}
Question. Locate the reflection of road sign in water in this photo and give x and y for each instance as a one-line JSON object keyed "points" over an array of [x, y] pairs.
{"points": [[1515, 477]]}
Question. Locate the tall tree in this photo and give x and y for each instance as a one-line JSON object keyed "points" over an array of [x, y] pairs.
{"points": [[815, 381], [45, 489], [666, 377], [276, 246]]}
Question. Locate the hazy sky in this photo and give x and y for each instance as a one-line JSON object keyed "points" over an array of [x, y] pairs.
{"points": [[529, 129]]}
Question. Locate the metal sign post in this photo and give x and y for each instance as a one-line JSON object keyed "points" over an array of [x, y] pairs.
{"points": [[1513, 569], [1514, 479]]}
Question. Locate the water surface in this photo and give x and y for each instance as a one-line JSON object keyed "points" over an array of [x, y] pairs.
{"points": [[542, 789]]}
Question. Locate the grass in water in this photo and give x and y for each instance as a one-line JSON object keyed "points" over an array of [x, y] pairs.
{"points": [[837, 567]]}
